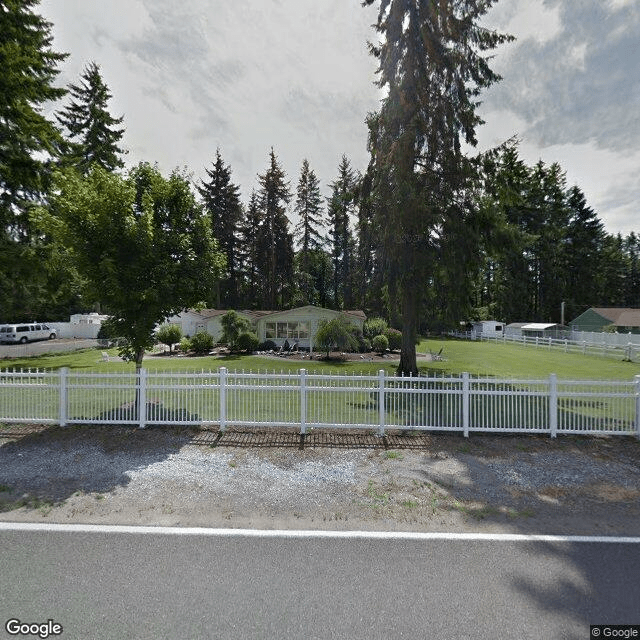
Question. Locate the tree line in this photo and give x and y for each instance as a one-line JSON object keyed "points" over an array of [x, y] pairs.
{"points": [[424, 236]]}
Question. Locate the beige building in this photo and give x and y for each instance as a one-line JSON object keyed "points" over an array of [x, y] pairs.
{"points": [[294, 325]]}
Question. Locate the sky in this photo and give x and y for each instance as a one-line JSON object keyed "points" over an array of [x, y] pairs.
{"points": [[191, 76]]}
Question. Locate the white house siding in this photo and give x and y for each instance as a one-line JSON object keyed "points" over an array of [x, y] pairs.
{"points": [[298, 325]]}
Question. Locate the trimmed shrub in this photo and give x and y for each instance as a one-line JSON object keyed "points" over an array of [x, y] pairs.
{"points": [[267, 345], [185, 345], [380, 343], [202, 342], [169, 334], [247, 341], [395, 339], [374, 327]]}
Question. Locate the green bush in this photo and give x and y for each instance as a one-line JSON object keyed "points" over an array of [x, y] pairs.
{"points": [[395, 339], [169, 334], [185, 345], [202, 342], [336, 333], [374, 327], [267, 345], [380, 343], [232, 326], [247, 341]]}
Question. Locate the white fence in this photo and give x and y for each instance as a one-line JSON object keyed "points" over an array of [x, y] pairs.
{"points": [[629, 351], [307, 400]]}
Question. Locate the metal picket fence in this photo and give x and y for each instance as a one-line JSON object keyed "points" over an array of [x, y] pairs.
{"points": [[311, 400]]}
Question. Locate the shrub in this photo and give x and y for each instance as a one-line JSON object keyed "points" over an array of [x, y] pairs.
{"points": [[202, 342], [395, 339], [185, 344], [335, 333], [374, 327], [169, 334], [366, 345], [380, 343], [267, 345], [247, 341], [232, 326]]}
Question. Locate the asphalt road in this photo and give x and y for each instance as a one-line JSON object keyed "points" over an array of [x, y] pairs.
{"points": [[122, 585], [45, 346]]}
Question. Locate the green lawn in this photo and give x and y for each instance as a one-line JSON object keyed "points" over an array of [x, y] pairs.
{"points": [[478, 358]]}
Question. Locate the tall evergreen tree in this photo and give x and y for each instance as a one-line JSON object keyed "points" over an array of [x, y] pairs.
{"points": [[28, 142], [221, 199], [248, 253], [93, 136], [307, 233], [433, 63], [274, 242], [341, 207]]}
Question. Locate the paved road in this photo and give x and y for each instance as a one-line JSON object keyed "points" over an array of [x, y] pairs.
{"points": [[44, 346], [122, 585]]}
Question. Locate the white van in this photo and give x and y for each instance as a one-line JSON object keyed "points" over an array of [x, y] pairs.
{"points": [[26, 332]]}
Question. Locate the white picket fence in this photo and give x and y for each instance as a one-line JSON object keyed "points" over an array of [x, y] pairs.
{"points": [[629, 351], [309, 400]]}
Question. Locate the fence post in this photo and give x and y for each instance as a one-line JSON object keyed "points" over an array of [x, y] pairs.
{"points": [[553, 404], [142, 398], [223, 399], [466, 387], [381, 402], [303, 401], [636, 379], [64, 373]]}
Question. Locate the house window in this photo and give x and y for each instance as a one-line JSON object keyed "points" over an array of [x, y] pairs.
{"points": [[270, 330], [287, 330], [498, 327]]}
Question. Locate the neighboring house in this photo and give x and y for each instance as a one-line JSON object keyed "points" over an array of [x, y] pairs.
{"points": [[536, 330], [625, 320], [80, 325], [488, 329], [295, 325]]}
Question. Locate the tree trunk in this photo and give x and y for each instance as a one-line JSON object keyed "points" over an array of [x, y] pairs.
{"points": [[408, 363], [139, 356]]}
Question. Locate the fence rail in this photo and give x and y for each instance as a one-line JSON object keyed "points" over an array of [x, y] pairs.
{"points": [[629, 351], [307, 400]]}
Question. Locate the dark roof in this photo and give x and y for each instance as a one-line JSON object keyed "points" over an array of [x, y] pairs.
{"points": [[620, 317]]}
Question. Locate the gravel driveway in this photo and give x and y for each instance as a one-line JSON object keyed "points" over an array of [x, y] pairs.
{"points": [[273, 479]]}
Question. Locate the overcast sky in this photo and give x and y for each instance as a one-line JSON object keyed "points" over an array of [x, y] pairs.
{"points": [[244, 75]]}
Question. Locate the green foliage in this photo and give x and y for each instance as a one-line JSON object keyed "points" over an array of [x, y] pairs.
{"points": [[335, 334], [92, 136], [233, 325], [247, 341], [141, 242], [394, 338], [202, 342], [380, 343], [221, 200], [169, 334], [374, 327], [185, 344]]}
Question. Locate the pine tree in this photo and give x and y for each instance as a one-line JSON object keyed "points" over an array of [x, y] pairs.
{"points": [[433, 62], [28, 142], [248, 253], [274, 242], [221, 200], [341, 206], [307, 233], [92, 134]]}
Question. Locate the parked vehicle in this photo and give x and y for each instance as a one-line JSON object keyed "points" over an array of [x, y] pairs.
{"points": [[27, 332]]}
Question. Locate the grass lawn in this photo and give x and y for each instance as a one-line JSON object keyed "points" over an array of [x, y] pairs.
{"points": [[478, 358]]}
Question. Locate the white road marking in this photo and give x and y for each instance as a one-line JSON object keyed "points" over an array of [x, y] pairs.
{"points": [[284, 533]]}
